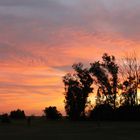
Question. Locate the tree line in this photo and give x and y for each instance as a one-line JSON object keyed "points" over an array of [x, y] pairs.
{"points": [[115, 86], [116, 89]]}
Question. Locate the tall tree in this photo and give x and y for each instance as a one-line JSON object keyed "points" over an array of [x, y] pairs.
{"points": [[130, 70], [106, 73], [78, 86]]}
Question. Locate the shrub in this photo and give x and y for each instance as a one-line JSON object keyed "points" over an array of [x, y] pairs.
{"points": [[52, 113], [102, 112], [17, 114], [5, 118]]}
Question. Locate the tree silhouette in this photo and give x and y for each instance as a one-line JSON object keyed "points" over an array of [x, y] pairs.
{"points": [[116, 96], [130, 70], [52, 113], [17, 114], [106, 74], [77, 89]]}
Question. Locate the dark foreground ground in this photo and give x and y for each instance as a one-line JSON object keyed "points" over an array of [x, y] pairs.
{"points": [[64, 130]]}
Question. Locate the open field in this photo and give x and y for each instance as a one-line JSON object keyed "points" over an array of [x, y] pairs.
{"points": [[49, 130]]}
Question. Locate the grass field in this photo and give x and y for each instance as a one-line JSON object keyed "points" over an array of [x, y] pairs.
{"points": [[49, 130]]}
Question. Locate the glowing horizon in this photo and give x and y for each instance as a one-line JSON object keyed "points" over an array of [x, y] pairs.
{"points": [[41, 39]]}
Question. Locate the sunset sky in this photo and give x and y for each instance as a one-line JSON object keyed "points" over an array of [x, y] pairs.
{"points": [[41, 39]]}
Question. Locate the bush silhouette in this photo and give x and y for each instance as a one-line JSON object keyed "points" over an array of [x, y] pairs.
{"points": [[102, 112], [5, 118], [128, 113], [52, 113], [17, 114]]}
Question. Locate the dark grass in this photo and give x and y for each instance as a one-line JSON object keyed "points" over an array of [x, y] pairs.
{"points": [[60, 130]]}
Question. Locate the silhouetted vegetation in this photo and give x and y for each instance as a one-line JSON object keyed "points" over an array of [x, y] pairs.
{"points": [[106, 74], [52, 113], [17, 114], [128, 113], [130, 71], [5, 118], [116, 97], [102, 112], [115, 87], [77, 89]]}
